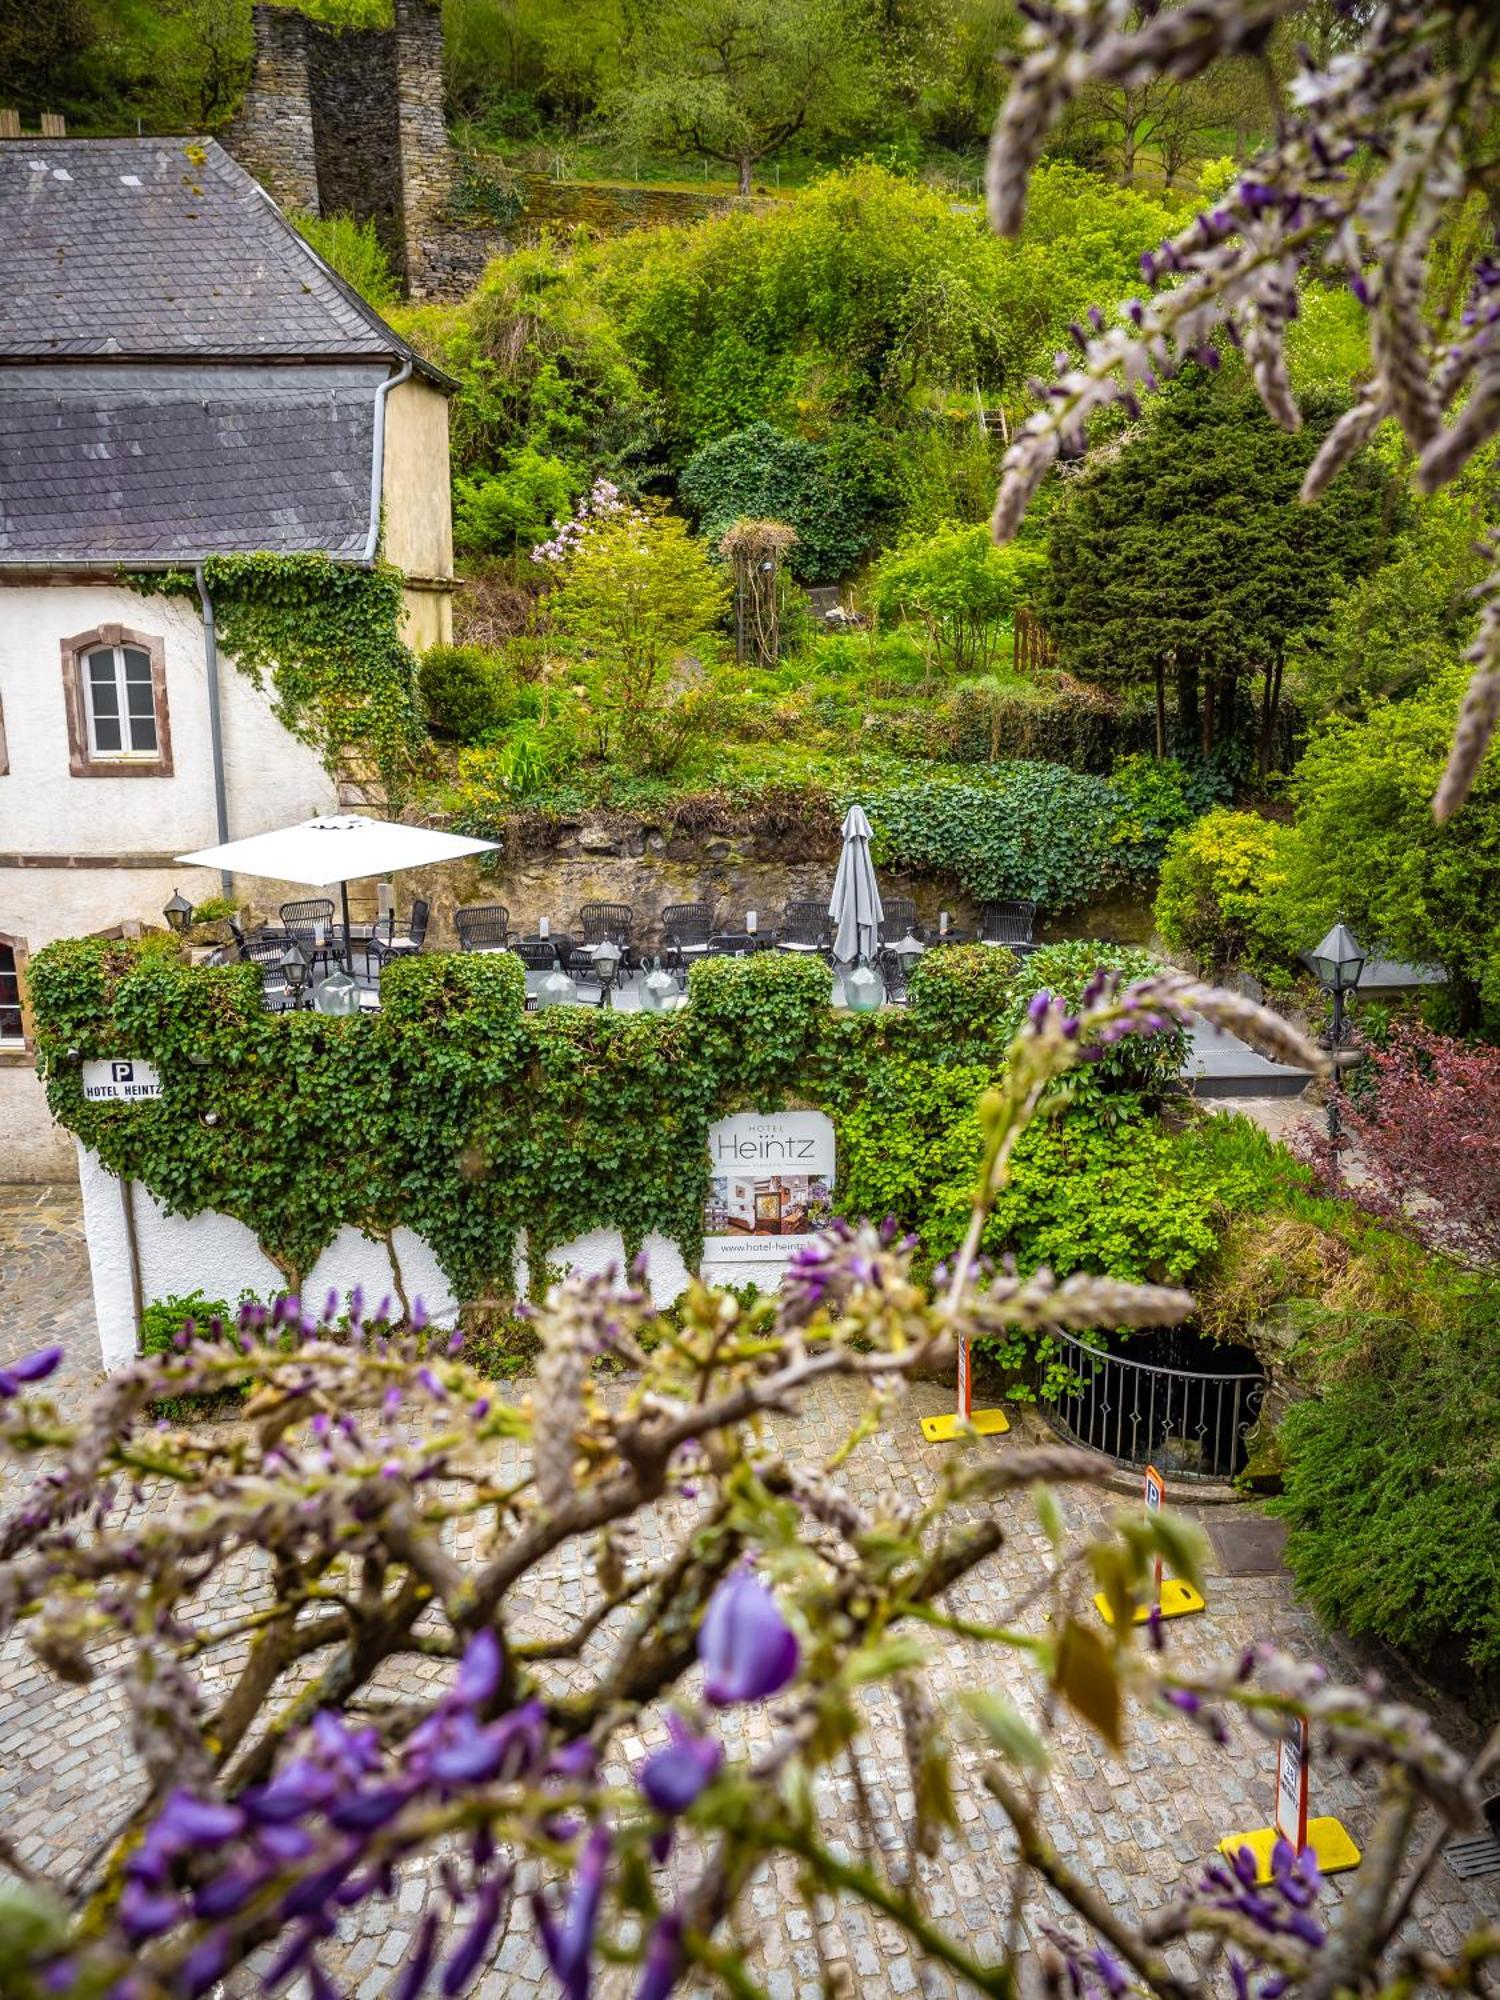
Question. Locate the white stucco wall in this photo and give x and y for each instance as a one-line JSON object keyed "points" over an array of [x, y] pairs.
{"points": [[44, 810], [216, 1255]]}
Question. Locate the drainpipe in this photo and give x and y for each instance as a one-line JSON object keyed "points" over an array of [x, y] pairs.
{"points": [[377, 467], [215, 719]]}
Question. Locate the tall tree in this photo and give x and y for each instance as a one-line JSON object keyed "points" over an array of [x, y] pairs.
{"points": [[1185, 553], [736, 79]]}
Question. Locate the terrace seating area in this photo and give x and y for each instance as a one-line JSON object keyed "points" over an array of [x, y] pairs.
{"points": [[606, 955]]}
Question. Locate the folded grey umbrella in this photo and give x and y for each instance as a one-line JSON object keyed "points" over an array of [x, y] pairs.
{"points": [[854, 909]]}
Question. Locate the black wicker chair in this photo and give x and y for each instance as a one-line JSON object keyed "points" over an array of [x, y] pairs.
{"points": [[803, 927], [482, 927], [612, 923], [1009, 923], [536, 954], [391, 943], [301, 921], [266, 953], [900, 919], [687, 930]]}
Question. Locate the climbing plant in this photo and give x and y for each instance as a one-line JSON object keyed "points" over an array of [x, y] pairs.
{"points": [[325, 640], [455, 1113]]}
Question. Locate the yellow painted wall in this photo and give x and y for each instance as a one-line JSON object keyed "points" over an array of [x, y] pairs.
{"points": [[428, 619], [417, 504]]}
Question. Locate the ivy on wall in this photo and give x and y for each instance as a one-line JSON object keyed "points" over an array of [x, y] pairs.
{"points": [[455, 1113], [325, 640]]}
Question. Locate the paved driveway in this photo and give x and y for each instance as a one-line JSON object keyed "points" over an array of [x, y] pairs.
{"points": [[1135, 1825]]}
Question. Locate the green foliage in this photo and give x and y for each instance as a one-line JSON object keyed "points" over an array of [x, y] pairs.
{"points": [[762, 473], [1144, 1064], [1164, 795], [1397, 629], [465, 690], [163, 1319], [325, 641], [1188, 552], [1032, 830], [1218, 900], [497, 513], [1366, 846], [354, 250], [735, 79], [959, 587], [1393, 1481], [636, 590]]}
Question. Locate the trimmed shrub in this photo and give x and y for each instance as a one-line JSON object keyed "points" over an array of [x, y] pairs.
{"points": [[1215, 902], [465, 691]]}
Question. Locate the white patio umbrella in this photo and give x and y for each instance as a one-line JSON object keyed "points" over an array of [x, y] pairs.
{"points": [[338, 847], [855, 907]]}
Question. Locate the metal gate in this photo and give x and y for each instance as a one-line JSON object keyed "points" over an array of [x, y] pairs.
{"points": [[1183, 1420]]}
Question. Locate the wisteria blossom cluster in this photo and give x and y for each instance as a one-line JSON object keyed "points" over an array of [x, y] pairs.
{"points": [[378, 1500], [602, 502], [1380, 152]]}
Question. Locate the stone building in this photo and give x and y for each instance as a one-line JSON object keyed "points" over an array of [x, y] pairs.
{"points": [[350, 121], [180, 378]]}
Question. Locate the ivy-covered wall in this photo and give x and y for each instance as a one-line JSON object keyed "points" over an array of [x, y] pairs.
{"points": [[455, 1115]]}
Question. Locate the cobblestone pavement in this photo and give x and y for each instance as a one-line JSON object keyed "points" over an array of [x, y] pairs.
{"points": [[1134, 1825]]}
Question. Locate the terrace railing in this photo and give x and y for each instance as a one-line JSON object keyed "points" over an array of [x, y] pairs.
{"points": [[1188, 1422]]}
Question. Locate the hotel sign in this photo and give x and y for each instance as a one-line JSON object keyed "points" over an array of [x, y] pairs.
{"points": [[770, 1189], [122, 1079]]}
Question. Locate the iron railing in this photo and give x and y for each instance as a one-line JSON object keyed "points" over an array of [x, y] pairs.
{"points": [[1185, 1421]]}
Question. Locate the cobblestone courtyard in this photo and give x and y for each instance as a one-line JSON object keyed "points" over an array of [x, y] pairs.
{"points": [[1135, 1826]]}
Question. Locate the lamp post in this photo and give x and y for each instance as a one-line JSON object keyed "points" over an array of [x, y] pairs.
{"points": [[179, 912], [294, 971], [906, 951], [607, 958], [1337, 964]]}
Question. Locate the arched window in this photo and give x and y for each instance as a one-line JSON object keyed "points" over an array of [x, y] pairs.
{"points": [[115, 687]]}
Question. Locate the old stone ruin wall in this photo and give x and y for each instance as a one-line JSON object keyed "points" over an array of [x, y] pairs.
{"points": [[351, 122]]}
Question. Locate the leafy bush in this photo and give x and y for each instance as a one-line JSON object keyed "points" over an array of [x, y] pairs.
{"points": [[1147, 1064], [465, 690], [961, 994], [1032, 830], [1216, 902], [959, 588], [1366, 847], [1393, 1482], [496, 513], [1164, 795], [762, 473], [355, 251]]}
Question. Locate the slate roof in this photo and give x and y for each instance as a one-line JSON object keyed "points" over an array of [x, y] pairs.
{"points": [[145, 463], [180, 375], [162, 247]]}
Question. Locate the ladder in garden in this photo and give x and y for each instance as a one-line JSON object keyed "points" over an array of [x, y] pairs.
{"points": [[990, 421]]}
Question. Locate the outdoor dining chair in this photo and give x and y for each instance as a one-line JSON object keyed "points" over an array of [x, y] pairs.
{"points": [[536, 954], [803, 927], [686, 932], [267, 953], [900, 919], [482, 927], [302, 920], [1008, 922], [400, 944], [611, 923]]}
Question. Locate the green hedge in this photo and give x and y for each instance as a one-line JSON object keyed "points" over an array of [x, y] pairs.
{"points": [[457, 1114]]}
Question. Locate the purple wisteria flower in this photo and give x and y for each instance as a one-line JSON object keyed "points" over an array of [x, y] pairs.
{"points": [[673, 1777], [30, 1368], [747, 1646], [569, 1945]]}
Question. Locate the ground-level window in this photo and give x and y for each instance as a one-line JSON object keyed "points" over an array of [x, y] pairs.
{"points": [[115, 686], [120, 701], [12, 1013]]}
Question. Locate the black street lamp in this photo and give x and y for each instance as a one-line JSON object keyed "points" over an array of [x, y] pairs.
{"points": [[179, 912], [1337, 964], [294, 971]]}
